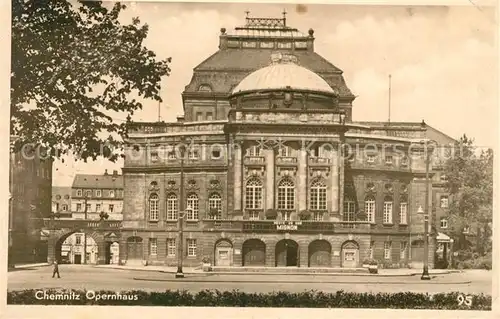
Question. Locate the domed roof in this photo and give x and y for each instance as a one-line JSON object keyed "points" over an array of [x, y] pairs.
{"points": [[283, 73]]}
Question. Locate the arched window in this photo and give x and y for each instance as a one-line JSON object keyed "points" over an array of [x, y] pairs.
{"points": [[215, 203], [370, 208], [403, 210], [286, 194], [253, 194], [153, 207], [192, 207], [317, 199], [349, 209], [172, 207], [388, 210]]}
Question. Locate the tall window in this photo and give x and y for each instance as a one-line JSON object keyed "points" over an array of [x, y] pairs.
{"points": [[370, 209], [111, 193], [88, 193], [153, 207], [387, 250], [402, 252], [153, 246], [317, 200], [387, 210], [111, 208], [349, 209], [254, 150], [444, 201], [88, 207], [191, 243], [215, 202], [57, 207], [193, 207], [98, 193], [253, 194], [286, 194], [172, 207], [403, 211], [372, 247], [78, 207], [78, 239], [64, 207], [443, 222], [79, 193], [97, 207], [171, 247]]}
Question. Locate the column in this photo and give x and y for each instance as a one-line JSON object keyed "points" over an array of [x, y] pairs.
{"points": [[237, 149], [302, 180], [269, 183], [335, 179]]}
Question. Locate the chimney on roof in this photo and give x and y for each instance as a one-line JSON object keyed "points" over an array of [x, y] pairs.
{"points": [[115, 173], [105, 172]]}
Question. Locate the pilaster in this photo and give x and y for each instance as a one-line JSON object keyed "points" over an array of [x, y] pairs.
{"points": [[334, 179], [302, 179], [269, 184], [238, 171]]}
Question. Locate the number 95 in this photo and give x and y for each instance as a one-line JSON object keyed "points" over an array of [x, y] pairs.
{"points": [[467, 300]]}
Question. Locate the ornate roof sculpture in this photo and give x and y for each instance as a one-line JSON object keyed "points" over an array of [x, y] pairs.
{"points": [[283, 73]]}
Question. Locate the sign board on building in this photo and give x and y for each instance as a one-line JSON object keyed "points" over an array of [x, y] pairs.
{"points": [[287, 225], [237, 251]]}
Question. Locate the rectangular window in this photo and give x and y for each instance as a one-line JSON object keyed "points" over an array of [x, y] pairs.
{"points": [[370, 158], [233, 44], [172, 207], [97, 207], [88, 207], [98, 193], [349, 211], [199, 116], [284, 45], [88, 193], [111, 208], [171, 247], [78, 207], [171, 155], [210, 116], [79, 193], [387, 212], [154, 156], [403, 213], [387, 250], [372, 246], [64, 207], [57, 207], [388, 159], [444, 222], [253, 215], [444, 201], [193, 154], [153, 246], [403, 247], [191, 244], [254, 151], [78, 239], [370, 211], [267, 44], [301, 45], [111, 193]]}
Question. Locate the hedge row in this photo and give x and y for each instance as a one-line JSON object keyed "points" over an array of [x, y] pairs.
{"points": [[235, 298]]}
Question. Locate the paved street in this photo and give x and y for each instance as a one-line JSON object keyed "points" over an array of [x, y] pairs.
{"points": [[89, 277]]}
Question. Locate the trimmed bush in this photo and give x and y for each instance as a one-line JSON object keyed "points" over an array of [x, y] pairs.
{"points": [[235, 298]]}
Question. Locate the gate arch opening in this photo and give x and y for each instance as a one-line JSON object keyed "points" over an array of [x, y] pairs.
{"points": [[320, 253], [254, 253], [70, 248], [287, 253]]}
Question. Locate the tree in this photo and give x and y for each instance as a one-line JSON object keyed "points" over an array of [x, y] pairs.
{"points": [[470, 184], [73, 65]]}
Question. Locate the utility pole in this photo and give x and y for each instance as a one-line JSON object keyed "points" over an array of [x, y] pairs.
{"points": [[85, 233], [180, 247]]}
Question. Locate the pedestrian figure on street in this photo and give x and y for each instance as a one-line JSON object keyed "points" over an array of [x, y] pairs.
{"points": [[56, 270]]}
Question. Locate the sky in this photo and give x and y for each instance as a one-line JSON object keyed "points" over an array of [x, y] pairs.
{"points": [[442, 61]]}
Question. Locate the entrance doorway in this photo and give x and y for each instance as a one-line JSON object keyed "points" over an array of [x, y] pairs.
{"points": [[254, 253], [134, 248], [287, 253], [350, 254], [223, 253], [78, 259]]}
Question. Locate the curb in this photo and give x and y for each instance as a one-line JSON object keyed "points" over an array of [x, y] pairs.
{"points": [[303, 282], [215, 273]]}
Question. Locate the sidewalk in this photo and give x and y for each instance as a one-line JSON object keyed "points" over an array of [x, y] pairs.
{"points": [[190, 270], [24, 266]]}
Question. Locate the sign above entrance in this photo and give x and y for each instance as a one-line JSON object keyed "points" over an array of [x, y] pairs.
{"points": [[287, 225]]}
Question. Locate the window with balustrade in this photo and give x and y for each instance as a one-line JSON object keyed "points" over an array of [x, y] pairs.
{"points": [[349, 209], [253, 194], [285, 151], [254, 150], [388, 205], [153, 207], [317, 195], [370, 209], [215, 203], [192, 207], [172, 207], [286, 194]]}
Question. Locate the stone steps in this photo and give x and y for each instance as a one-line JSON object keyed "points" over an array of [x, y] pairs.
{"points": [[294, 270]]}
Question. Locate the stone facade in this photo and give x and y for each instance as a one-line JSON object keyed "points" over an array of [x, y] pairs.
{"points": [[274, 175]]}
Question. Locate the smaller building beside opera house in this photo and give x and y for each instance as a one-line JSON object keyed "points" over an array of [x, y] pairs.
{"points": [[275, 169]]}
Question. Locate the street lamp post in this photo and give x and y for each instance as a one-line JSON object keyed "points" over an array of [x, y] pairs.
{"points": [[180, 244], [425, 273]]}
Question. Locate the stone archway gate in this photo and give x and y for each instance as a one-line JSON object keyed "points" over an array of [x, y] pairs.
{"points": [[100, 231]]}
